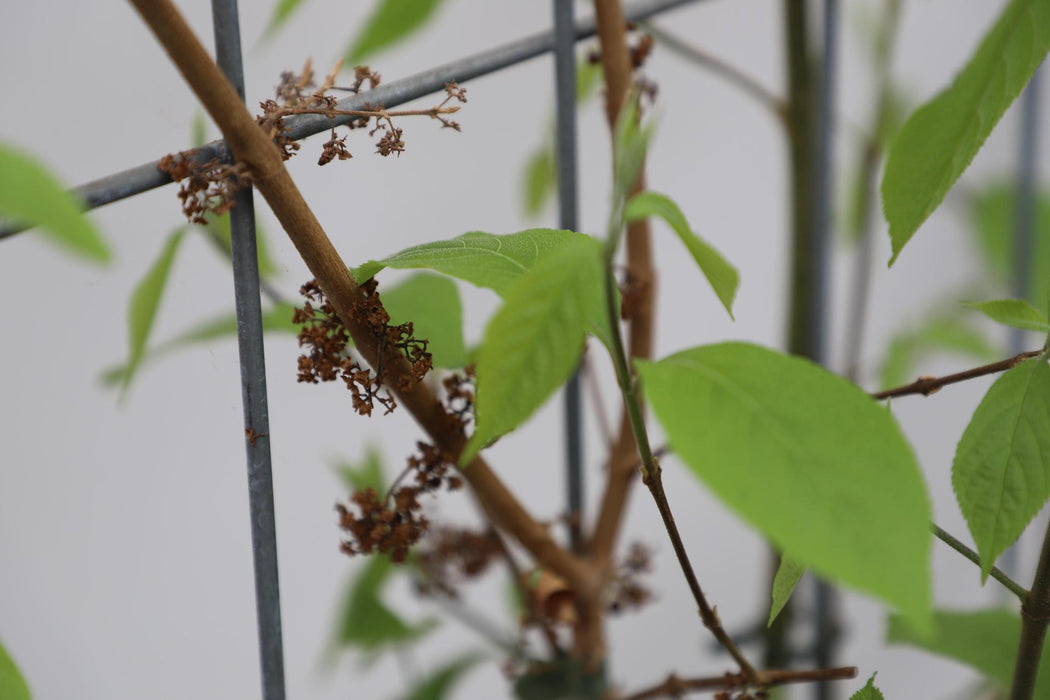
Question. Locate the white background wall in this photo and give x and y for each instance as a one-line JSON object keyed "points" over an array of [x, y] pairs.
{"points": [[125, 567]]}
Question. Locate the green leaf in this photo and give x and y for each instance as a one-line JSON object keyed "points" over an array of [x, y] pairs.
{"points": [[940, 139], [489, 261], [539, 180], [985, 640], [994, 217], [807, 458], [1012, 312], [941, 332], [366, 623], [32, 196], [588, 77], [390, 22], [367, 474], [868, 692], [198, 129], [440, 683], [432, 304], [281, 12], [630, 141], [277, 319], [535, 339], [722, 276], [789, 573], [12, 685], [145, 299], [482, 259], [1001, 472]]}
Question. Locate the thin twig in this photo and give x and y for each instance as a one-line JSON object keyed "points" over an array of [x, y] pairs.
{"points": [[675, 687], [931, 385], [1011, 585], [650, 466], [738, 78]]}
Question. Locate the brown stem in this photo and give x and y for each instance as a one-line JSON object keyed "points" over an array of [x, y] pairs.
{"points": [[252, 147], [931, 385], [616, 69], [616, 65], [675, 687], [1035, 617]]}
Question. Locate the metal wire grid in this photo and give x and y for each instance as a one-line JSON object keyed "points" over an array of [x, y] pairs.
{"points": [[246, 274]]}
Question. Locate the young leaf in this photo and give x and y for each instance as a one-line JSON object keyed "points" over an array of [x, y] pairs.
{"points": [[985, 640], [994, 217], [938, 333], [807, 458], [539, 180], [281, 12], [868, 692], [789, 573], [277, 319], [31, 195], [366, 623], [940, 139], [144, 302], [368, 474], [12, 685], [630, 141], [1012, 312], [439, 684], [390, 22], [432, 304], [535, 339], [722, 276], [1001, 472]]}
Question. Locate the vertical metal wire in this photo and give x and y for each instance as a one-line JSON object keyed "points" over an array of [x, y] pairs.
{"points": [[253, 384], [825, 618], [1025, 221], [565, 157]]}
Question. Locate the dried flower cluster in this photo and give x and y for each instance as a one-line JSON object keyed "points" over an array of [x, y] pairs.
{"points": [[394, 523], [626, 591], [459, 397], [299, 94], [210, 187], [328, 347], [204, 187], [451, 556]]}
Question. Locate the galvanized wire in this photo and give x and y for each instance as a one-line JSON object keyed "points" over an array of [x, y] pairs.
{"points": [[253, 385], [825, 622], [146, 177], [1026, 198], [565, 120]]}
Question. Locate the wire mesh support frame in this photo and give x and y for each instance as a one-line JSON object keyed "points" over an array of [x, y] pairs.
{"points": [[253, 385], [825, 622], [146, 177], [565, 158]]}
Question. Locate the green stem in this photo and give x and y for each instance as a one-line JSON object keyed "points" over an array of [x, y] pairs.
{"points": [[650, 467], [1011, 585]]}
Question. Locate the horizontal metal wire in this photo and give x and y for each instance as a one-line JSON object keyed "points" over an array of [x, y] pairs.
{"points": [[147, 177]]}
